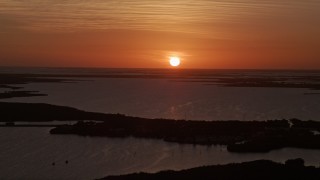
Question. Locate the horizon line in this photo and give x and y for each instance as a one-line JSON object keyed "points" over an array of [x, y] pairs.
{"points": [[169, 68]]}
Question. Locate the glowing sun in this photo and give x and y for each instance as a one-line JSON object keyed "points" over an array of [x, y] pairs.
{"points": [[174, 61]]}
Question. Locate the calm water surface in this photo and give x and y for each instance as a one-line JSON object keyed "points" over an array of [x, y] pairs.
{"points": [[28, 153], [161, 98]]}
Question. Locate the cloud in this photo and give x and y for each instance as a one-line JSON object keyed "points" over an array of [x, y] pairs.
{"points": [[10, 24]]}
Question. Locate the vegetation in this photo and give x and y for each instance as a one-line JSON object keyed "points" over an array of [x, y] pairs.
{"points": [[260, 169]]}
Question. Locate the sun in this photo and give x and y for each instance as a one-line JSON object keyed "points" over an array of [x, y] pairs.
{"points": [[174, 61]]}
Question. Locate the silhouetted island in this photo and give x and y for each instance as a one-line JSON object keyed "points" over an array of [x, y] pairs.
{"points": [[11, 94], [238, 136], [40, 112], [11, 83], [260, 169]]}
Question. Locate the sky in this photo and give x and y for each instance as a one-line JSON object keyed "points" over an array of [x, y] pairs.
{"points": [[214, 34]]}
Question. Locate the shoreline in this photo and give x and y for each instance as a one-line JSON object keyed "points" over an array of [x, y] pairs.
{"points": [[259, 169], [238, 136]]}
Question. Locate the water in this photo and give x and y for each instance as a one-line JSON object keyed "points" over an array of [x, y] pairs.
{"points": [[28, 153], [164, 98]]}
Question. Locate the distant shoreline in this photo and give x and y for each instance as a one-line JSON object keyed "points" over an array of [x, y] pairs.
{"points": [[13, 83], [150, 68]]}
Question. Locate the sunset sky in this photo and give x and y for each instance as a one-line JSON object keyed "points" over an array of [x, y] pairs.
{"points": [[228, 34]]}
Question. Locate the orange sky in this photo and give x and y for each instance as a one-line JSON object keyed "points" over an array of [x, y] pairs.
{"points": [[143, 34]]}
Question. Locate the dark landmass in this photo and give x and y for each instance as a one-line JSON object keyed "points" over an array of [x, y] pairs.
{"points": [[264, 82], [11, 94], [10, 81], [238, 136], [39, 112], [13, 124], [260, 169], [29, 125], [274, 82]]}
